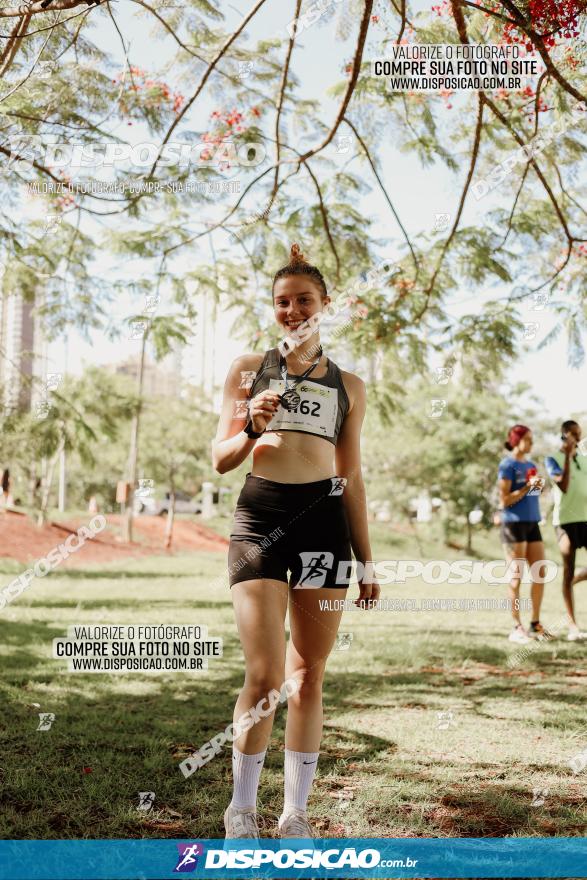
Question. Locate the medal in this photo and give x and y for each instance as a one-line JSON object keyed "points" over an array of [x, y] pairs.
{"points": [[290, 399]]}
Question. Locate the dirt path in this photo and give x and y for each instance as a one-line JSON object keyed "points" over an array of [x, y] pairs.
{"points": [[22, 540]]}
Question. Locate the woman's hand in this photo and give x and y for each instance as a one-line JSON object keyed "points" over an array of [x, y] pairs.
{"points": [[369, 591], [570, 444], [262, 408]]}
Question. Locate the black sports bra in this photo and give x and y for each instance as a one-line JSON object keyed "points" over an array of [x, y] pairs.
{"points": [[324, 402]]}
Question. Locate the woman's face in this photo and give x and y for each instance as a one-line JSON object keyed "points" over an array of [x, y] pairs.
{"points": [[295, 299], [575, 431], [525, 444]]}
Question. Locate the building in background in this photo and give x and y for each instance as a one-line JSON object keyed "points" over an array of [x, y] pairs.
{"points": [[212, 349], [161, 379], [23, 353]]}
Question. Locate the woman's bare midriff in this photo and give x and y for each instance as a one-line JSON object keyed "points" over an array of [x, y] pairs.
{"points": [[293, 457]]}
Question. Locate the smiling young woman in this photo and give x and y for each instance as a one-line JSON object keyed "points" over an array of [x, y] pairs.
{"points": [[300, 513]]}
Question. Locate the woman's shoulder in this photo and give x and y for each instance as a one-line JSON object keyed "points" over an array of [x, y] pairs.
{"points": [[250, 361], [353, 385]]}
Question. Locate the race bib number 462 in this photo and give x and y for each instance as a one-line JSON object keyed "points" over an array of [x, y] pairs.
{"points": [[316, 412]]}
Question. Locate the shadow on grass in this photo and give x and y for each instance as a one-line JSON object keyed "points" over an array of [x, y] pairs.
{"points": [[89, 604], [82, 574], [130, 733]]}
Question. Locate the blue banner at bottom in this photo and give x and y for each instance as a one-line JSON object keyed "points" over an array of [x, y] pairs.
{"points": [[355, 857]]}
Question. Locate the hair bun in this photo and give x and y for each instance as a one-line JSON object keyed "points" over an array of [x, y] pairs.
{"points": [[296, 255]]}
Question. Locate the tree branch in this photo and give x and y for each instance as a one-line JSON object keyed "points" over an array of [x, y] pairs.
{"points": [[37, 8], [497, 112], [458, 15], [233, 79], [358, 57], [385, 194], [11, 39], [204, 80], [490, 12], [282, 88], [15, 41], [455, 226], [524, 25], [324, 214]]}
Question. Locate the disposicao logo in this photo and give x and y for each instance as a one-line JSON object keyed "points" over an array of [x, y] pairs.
{"points": [[188, 857]]}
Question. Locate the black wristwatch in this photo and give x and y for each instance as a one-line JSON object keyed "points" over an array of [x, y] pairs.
{"points": [[248, 429]]}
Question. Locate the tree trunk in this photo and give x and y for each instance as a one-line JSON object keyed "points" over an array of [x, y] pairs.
{"points": [[47, 487], [127, 522], [417, 537], [170, 518], [32, 485], [469, 537]]}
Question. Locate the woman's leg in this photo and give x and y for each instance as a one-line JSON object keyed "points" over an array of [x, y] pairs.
{"points": [[259, 607], [515, 554], [535, 553], [312, 635], [568, 554]]}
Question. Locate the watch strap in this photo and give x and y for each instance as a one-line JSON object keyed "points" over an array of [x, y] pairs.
{"points": [[248, 429]]}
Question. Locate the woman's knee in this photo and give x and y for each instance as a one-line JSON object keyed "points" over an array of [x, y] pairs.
{"points": [[309, 682], [539, 572], [260, 680]]}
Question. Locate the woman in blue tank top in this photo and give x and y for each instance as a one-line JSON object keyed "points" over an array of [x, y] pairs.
{"points": [[519, 487], [300, 517]]}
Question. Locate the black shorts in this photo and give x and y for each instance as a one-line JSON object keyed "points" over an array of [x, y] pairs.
{"points": [[297, 526], [517, 532], [577, 532]]}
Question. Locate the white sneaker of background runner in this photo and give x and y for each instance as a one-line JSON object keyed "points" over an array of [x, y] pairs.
{"points": [[576, 635], [519, 635]]}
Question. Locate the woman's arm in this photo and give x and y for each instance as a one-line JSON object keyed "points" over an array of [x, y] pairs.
{"points": [[565, 477], [507, 497], [231, 445], [348, 464]]}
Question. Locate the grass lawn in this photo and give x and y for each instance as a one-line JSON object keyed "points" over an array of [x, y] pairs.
{"points": [[389, 766]]}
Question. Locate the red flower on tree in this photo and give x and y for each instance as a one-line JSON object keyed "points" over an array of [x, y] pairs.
{"points": [[552, 19], [153, 93]]}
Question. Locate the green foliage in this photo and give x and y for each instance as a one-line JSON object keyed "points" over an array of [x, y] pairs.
{"points": [[453, 457], [175, 442]]}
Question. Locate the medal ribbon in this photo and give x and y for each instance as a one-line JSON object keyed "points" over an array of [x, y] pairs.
{"points": [[296, 379]]}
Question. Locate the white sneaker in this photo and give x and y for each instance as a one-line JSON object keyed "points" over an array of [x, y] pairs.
{"points": [[240, 822], [295, 824], [576, 635], [519, 635], [540, 634]]}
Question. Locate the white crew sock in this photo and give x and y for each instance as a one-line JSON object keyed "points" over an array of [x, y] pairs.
{"points": [[299, 770], [246, 770]]}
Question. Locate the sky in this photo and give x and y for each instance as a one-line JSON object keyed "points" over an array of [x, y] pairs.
{"points": [[419, 194]]}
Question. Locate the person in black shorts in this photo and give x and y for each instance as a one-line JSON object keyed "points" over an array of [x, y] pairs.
{"points": [[299, 518], [520, 486], [567, 469]]}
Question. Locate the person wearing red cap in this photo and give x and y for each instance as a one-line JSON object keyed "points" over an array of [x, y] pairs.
{"points": [[519, 487]]}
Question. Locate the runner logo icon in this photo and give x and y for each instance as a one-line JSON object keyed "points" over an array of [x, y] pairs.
{"points": [[315, 568], [338, 484], [188, 853]]}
